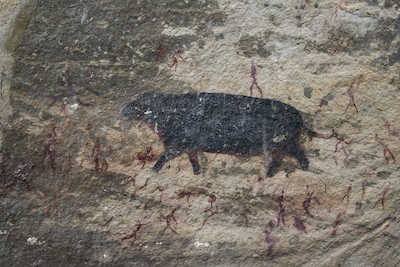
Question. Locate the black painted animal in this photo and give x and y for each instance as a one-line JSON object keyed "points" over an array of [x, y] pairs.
{"points": [[221, 123]]}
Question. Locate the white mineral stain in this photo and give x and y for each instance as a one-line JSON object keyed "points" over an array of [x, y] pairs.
{"points": [[74, 107], [34, 241], [279, 138], [198, 244]]}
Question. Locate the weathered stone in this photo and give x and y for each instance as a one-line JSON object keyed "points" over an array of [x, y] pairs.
{"points": [[75, 175]]}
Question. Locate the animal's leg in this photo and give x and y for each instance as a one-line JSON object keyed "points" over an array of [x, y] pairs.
{"points": [[301, 157], [169, 154], [194, 160], [275, 163]]}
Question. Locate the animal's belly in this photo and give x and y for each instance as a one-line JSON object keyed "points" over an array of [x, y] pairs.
{"points": [[228, 137]]}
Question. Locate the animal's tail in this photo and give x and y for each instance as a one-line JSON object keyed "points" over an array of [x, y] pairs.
{"points": [[311, 133]]}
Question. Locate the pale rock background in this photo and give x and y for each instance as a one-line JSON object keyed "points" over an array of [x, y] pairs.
{"points": [[61, 208]]}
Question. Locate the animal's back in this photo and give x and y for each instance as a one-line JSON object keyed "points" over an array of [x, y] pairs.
{"points": [[228, 123]]}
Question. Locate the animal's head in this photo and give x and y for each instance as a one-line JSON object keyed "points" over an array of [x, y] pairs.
{"points": [[140, 107]]}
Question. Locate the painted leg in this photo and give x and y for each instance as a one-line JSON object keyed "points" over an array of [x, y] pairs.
{"points": [[194, 160], [301, 158], [275, 163], [169, 154]]}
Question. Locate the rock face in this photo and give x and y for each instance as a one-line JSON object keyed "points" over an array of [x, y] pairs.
{"points": [[76, 181]]}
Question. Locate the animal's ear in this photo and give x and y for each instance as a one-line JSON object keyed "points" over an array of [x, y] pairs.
{"points": [[144, 96], [138, 96]]}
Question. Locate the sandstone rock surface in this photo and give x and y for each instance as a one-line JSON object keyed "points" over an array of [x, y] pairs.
{"points": [[75, 175]]}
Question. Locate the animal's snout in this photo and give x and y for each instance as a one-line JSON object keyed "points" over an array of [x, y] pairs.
{"points": [[126, 111]]}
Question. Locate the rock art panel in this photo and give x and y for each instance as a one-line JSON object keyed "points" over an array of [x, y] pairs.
{"points": [[77, 180]]}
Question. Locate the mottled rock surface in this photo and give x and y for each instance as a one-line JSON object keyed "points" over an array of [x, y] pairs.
{"points": [[76, 182]]}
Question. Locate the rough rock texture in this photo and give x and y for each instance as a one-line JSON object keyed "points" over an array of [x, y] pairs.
{"points": [[76, 181]]}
